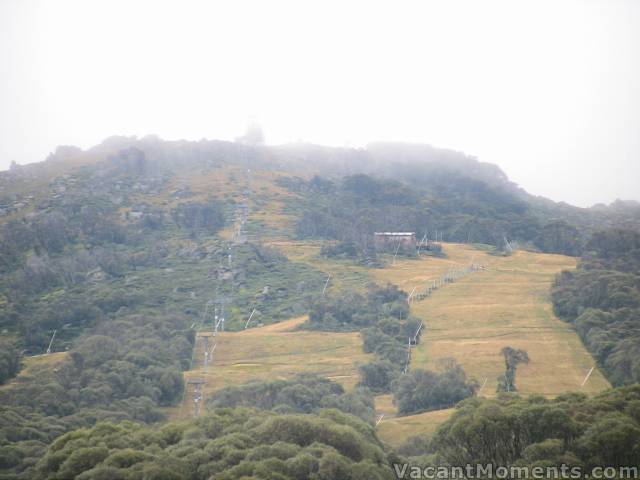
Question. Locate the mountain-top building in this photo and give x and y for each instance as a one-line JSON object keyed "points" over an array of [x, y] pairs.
{"points": [[386, 239]]}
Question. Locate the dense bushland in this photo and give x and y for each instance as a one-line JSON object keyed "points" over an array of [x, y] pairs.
{"points": [[303, 393], [423, 390], [78, 259], [124, 370], [571, 429], [602, 300], [224, 444], [459, 208], [381, 314], [10, 360], [72, 262]]}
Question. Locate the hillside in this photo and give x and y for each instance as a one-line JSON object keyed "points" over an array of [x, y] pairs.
{"points": [[152, 179], [458, 186], [471, 320], [132, 251], [507, 304]]}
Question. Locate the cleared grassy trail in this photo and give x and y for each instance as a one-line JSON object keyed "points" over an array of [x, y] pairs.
{"points": [[507, 304], [471, 320], [272, 352]]}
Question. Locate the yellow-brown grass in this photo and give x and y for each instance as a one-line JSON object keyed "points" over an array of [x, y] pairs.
{"points": [[274, 352], [34, 369], [344, 274], [385, 406], [472, 319], [268, 206], [32, 364], [397, 430], [506, 305], [217, 182], [418, 272]]}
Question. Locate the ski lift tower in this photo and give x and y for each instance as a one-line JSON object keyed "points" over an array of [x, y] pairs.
{"points": [[197, 397], [220, 313]]}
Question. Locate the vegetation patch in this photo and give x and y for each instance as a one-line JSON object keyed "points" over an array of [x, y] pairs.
{"points": [[512, 358], [570, 429], [226, 444], [422, 390], [300, 394], [10, 360], [601, 299], [458, 208]]}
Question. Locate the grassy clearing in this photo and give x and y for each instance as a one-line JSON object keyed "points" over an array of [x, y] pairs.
{"points": [[345, 274], [418, 272], [274, 352], [505, 305], [385, 406], [473, 319], [397, 430], [36, 369], [37, 361], [470, 320], [224, 183], [268, 216]]}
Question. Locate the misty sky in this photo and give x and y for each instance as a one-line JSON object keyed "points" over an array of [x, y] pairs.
{"points": [[550, 91]]}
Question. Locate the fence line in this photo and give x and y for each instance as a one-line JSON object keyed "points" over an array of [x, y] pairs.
{"points": [[450, 277]]}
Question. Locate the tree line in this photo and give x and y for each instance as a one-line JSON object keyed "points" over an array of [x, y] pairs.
{"points": [[601, 299], [571, 429], [10, 360], [225, 444], [304, 393], [388, 331], [463, 210], [125, 369]]}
